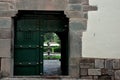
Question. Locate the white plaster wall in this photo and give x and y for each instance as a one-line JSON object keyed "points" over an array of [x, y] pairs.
{"points": [[102, 38]]}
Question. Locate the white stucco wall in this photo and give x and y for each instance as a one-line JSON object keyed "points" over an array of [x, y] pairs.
{"points": [[102, 38]]}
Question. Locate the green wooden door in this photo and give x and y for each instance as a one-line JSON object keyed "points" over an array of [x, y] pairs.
{"points": [[28, 53], [29, 38]]}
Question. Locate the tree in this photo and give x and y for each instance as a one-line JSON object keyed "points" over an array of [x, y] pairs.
{"points": [[51, 37]]}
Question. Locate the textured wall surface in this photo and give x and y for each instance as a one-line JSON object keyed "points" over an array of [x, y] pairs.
{"points": [[100, 69], [102, 37]]}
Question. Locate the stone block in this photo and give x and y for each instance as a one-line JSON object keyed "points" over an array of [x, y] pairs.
{"points": [[107, 72], [85, 15], [74, 1], [104, 71], [5, 6], [110, 72], [27, 4], [75, 14], [99, 63], [76, 26], [5, 22], [5, 45], [93, 8], [117, 75], [95, 77], [83, 71], [83, 21], [75, 44], [8, 13], [85, 2], [5, 67], [76, 19], [105, 77], [116, 64], [87, 65], [87, 8], [74, 7], [5, 33], [94, 71], [109, 64], [41, 4], [86, 77], [87, 60], [74, 61], [74, 71]]}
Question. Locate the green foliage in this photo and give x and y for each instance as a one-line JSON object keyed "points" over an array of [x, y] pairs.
{"points": [[51, 37], [57, 49], [48, 37]]}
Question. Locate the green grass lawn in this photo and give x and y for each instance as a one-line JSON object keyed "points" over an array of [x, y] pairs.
{"points": [[52, 57]]}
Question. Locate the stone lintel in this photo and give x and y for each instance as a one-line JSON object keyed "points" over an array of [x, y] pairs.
{"points": [[41, 4]]}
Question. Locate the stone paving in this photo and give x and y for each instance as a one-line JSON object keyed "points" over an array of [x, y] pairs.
{"points": [[51, 67]]}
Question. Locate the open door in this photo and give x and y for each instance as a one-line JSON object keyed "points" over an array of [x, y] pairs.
{"points": [[30, 27]]}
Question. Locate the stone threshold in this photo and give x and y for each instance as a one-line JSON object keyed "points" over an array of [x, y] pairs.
{"points": [[44, 76], [43, 79]]}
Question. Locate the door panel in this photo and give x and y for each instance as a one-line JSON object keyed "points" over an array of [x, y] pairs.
{"points": [[28, 53], [27, 70]]}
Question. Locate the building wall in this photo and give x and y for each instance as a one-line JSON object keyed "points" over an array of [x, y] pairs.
{"points": [[99, 69], [75, 10], [102, 37]]}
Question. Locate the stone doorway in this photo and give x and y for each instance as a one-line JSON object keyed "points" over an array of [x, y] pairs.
{"points": [[30, 26]]}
